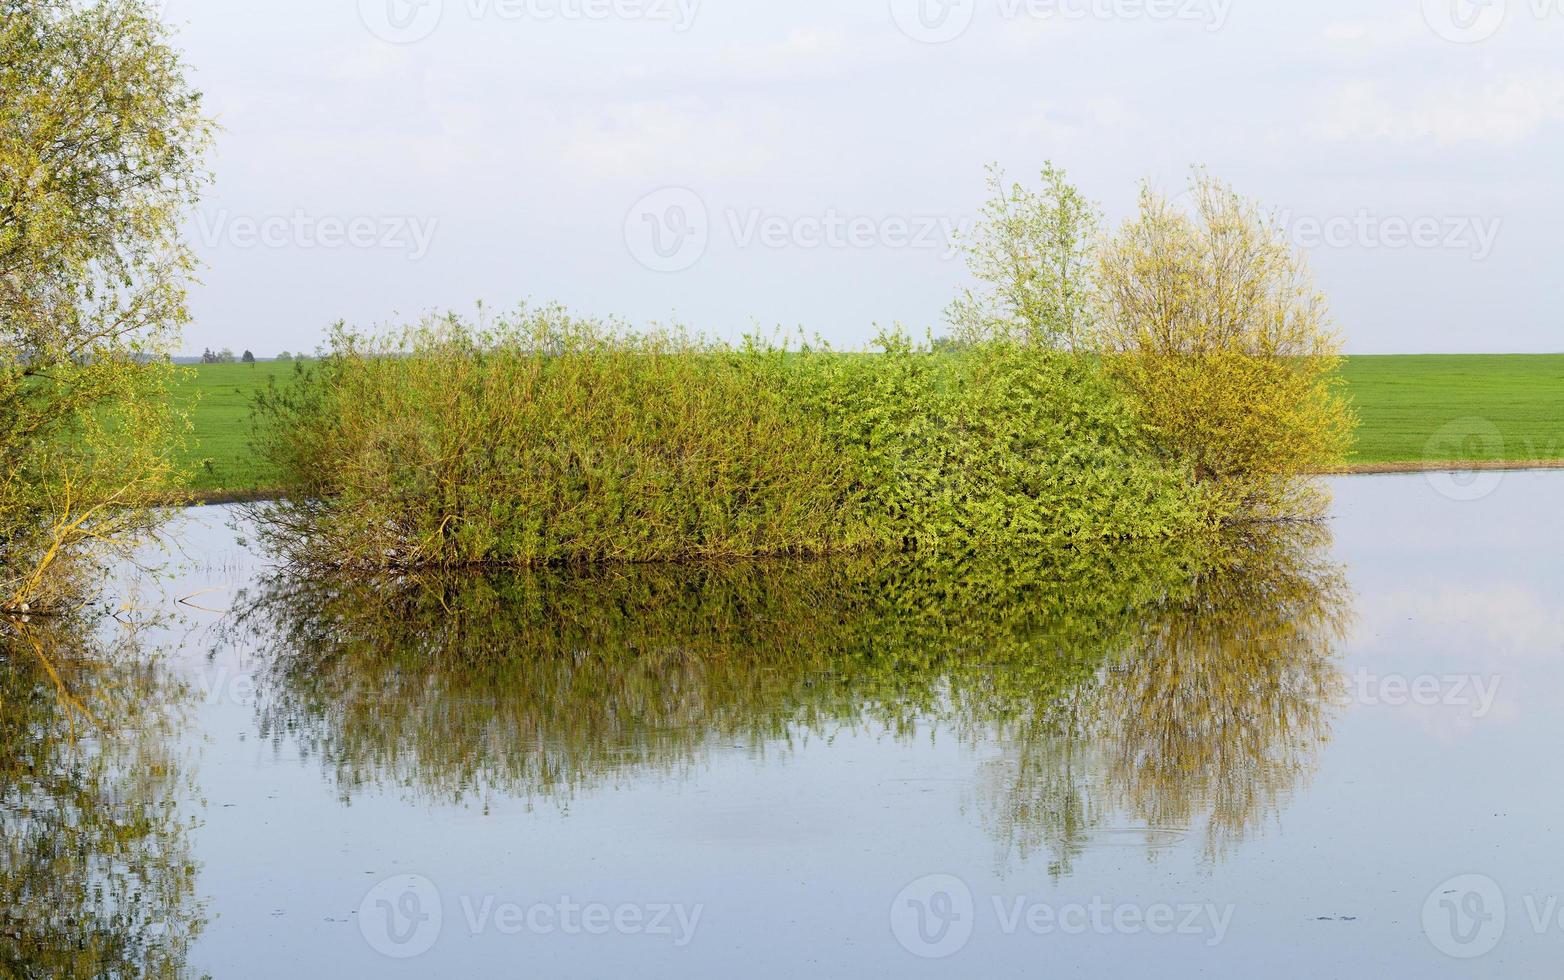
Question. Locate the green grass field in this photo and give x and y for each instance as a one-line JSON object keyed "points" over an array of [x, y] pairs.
{"points": [[217, 398], [1414, 409], [1455, 407]]}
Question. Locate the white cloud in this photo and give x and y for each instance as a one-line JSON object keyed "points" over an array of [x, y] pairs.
{"points": [[1348, 32], [802, 53], [1508, 110], [1408, 33], [653, 139], [368, 61]]}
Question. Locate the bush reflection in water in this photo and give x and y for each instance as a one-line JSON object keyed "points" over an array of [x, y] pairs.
{"points": [[1120, 686]]}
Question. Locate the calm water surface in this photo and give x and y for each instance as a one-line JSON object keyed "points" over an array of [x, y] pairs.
{"points": [[1333, 760]]}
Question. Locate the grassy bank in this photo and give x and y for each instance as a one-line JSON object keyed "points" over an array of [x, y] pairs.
{"points": [[1404, 402]]}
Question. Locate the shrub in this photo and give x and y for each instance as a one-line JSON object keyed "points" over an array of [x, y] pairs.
{"points": [[1212, 324], [1003, 445], [547, 439]]}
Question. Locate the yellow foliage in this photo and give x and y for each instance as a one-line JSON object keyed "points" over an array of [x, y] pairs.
{"points": [[1213, 325]]}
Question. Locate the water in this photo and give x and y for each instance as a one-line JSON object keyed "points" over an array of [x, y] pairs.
{"points": [[1334, 757]]}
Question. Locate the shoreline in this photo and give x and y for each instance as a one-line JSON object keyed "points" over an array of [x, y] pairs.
{"points": [[214, 498], [1471, 465]]}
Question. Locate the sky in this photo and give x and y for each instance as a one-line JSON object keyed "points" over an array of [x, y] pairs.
{"points": [[734, 166]]}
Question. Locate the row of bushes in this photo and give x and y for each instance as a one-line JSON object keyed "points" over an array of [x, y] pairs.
{"points": [[542, 438], [1176, 376]]}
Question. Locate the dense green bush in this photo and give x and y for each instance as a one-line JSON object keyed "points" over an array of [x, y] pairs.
{"points": [[1212, 324], [547, 439], [1002, 445]]}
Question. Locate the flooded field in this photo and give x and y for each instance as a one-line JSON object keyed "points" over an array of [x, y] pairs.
{"points": [[1325, 756]]}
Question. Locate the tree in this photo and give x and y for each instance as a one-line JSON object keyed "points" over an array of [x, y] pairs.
{"points": [[1032, 253], [1213, 324], [284, 356], [248, 358], [101, 149]]}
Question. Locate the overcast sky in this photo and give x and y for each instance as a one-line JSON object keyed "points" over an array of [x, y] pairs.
{"points": [[733, 164]]}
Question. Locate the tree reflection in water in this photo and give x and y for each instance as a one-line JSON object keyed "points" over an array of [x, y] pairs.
{"points": [[1205, 723], [96, 873], [1121, 685]]}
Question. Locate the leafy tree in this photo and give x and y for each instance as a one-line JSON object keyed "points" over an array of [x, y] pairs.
{"points": [[101, 148], [1213, 324], [1031, 251], [248, 358], [284, 356]]}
